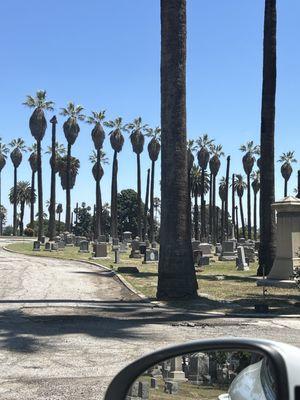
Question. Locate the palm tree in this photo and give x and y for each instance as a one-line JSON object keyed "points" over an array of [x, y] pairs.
{"points": [[38, 126], [18, 145], [176, 272], [59, 210], [196, 188], [116, 141], [222, 195], [3, 156], [240, 186], [267, 248], [255, 176], [98, 136], [22, 196], [233, 204], [71, 130], [286, 168], [98, 158], [214, 165], [191, 148], [52, 225], [227, 195], [153, 150], [248, 162], [34, 167], [203, 155], [137, 128]]}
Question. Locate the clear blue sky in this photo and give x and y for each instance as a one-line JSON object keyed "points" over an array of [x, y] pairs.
{"points": [[106, 55]]}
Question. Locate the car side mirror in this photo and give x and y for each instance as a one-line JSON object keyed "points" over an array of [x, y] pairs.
{"points": [[224, 369]]}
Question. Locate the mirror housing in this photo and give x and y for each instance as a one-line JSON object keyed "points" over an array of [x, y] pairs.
{"points": [[122, 382]]}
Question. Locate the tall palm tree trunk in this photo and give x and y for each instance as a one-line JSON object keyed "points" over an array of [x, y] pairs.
{"points": [[267, 248], [98, 196], [146, 205], [210, 208], [226, 198], [285, 187], [68, 191], [237, 223], [114, 193], [152, 238], [242, 216], [255, 217], [15, 203], [52, 227], [139, 184], [233, 204], [32, 199], [196, 216], [40, 192], [222, 220], [22, 217], [176, 272], [298, 185], [249, 206], [1, 216], [214, 225], [59, 219], [203, 219]]}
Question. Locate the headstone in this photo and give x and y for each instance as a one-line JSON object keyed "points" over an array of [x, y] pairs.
{"points": [[242, 240], [218, 249], [196, 256], [100, 250], [84, 246], [154, 383], [115, 242], [70, 240], [228, 251], [241, 260], [144, 390], [135, 249], [176, 372], [123, 247], [171, 387], [54, 246], [36, 245], [127, 237], [47, 246], [249, 253], [109, 239], [61, 245], [203, 261], [57, 239], [151, 255], [43, 239], [154, 245], [206, 249], [143, 248]]}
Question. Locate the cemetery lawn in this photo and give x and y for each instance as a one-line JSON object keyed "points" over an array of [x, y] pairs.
{"points": [[221, 286]]}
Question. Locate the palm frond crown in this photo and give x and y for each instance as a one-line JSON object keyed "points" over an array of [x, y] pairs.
{"points": [[73, 111], [39, 101], [287, 157], [96, 117]]}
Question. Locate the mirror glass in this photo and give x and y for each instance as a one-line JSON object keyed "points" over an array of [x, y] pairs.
{"points": [[213, 375]]}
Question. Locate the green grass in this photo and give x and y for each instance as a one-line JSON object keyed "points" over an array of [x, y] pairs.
{"points": [[221, 286]]}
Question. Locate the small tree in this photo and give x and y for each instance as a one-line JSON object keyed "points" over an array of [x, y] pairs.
{"points": [[286, 168]]}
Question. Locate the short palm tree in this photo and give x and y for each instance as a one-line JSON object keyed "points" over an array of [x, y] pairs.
{"points": [[66, 172], [71, 130], [250, 150], [196, 191], [22, 197], [98, 136], [18, 146], [153, 150], [240, 186], [116, 141], [214, 165], [38, 126], [3, 156], [59, 210], [204, 143], [286, 159], [34, 167], [98, 158], [137, 138], [255, 176]]}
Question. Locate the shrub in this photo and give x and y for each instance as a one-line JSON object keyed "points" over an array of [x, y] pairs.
{"points": [[28, 232]]}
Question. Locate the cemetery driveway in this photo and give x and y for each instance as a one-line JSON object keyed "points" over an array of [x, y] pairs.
{"points": [[66, 328]]}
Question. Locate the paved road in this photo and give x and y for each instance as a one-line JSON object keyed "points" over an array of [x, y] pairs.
{"points": [[66, 328]]}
